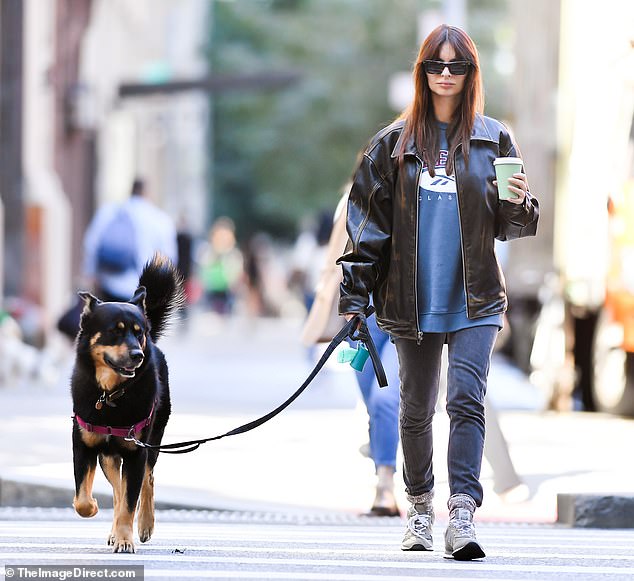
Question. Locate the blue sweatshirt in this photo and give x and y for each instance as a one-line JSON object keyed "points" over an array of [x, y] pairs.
{"points": [[442, 304]]}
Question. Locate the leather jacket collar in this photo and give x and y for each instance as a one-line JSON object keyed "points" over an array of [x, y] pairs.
{"points": [[480, 132]]}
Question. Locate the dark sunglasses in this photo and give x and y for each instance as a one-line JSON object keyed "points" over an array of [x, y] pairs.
{"points": [[455, 67]]}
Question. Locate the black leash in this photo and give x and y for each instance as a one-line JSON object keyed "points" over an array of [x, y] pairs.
{"points": [[356, 328]]}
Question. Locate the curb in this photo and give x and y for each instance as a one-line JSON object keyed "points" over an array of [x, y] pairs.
{"points": [[14, 494], [25, 493], [596, 511]]}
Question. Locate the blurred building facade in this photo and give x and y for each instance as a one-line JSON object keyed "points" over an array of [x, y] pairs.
{"points": [[574, 282], [71, 141]]}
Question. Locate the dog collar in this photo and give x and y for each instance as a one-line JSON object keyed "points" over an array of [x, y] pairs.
{"points": [[109, 397], [120, 432]]}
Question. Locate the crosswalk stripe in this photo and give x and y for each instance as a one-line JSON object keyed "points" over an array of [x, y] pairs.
{"points": [[228, 533], [356, 535], [163, 541], [516, 552], [295, 576]]}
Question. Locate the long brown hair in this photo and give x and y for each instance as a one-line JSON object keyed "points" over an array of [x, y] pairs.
{"points": [[420, 121]]}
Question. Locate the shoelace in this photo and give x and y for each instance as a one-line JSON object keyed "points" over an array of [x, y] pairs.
{"points": [[418, 523], [463, 526]]}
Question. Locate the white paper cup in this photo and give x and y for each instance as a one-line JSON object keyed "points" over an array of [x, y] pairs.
{"points": [[505, 167]]}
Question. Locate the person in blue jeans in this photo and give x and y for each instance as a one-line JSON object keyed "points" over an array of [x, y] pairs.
{"points": [[382, 404]]}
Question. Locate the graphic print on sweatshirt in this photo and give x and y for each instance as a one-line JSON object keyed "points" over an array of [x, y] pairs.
{"points": [[441, 186]]}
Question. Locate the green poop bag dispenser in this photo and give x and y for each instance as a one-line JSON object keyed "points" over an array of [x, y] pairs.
{"points": [[356, 357]]}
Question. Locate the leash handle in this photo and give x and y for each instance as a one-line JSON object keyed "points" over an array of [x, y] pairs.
{"points": [[361, 333], [356, 328]]}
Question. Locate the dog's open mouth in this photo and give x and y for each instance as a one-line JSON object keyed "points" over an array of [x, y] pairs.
{"points": [[123, 371]]}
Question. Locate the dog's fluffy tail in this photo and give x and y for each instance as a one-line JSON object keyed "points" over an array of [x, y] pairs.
{"points": [[165, 293]]}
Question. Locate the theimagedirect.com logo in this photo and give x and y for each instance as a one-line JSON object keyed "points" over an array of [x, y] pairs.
{"points": [[67, 572]]}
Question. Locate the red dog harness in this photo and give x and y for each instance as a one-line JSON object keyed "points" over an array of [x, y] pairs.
{"points": [[116, 431]]}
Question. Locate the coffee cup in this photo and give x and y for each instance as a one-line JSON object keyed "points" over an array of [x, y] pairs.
{"points": [[505, 167]]}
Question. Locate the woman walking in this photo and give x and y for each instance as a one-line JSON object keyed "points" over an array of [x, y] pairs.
{"points": [[423, 214]]}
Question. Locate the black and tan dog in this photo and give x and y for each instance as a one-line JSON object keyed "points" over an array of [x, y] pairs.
{"points": [[120, 387]]}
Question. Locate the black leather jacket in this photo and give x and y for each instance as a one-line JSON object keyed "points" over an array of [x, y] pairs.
{"points": [[382, 223]]}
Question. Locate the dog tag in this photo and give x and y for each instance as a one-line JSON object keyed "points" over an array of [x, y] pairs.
{"points": [[98, 405]]}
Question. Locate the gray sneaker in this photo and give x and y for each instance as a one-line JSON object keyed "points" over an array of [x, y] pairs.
{"points": [[418, 536], [460, 538]]}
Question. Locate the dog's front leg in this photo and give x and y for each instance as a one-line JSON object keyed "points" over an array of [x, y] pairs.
{"points": [[111, 466], [146, 506], [85, 464], [132, 474]]}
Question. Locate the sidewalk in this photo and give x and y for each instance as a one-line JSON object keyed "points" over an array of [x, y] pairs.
{"points": [[307, 460]]}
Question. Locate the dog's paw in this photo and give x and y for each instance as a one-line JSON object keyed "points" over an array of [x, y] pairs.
{"points": [[86, 509], [123, 545], [145, 525], [145, 534], [111, 538]]}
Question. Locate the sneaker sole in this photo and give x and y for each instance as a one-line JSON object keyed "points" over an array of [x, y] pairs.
{"points": [[469, 552], [416, 548]]}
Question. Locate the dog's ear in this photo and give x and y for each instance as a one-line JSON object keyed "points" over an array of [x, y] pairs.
{"points": [[89, 299], [139, 298]]}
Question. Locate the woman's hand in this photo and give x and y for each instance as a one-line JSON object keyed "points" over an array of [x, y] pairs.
{"points": [[518, 184]]}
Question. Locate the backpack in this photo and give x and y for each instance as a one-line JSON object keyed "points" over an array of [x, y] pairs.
{"points": [[117, 249]]}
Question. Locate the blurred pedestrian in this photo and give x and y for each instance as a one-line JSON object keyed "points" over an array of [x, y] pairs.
{"points": [[423, 214], [185, 251], [382, 404], [221, 267], [121, 238], [255, 257], [308, 257], [185, 265], [507, 483]]}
